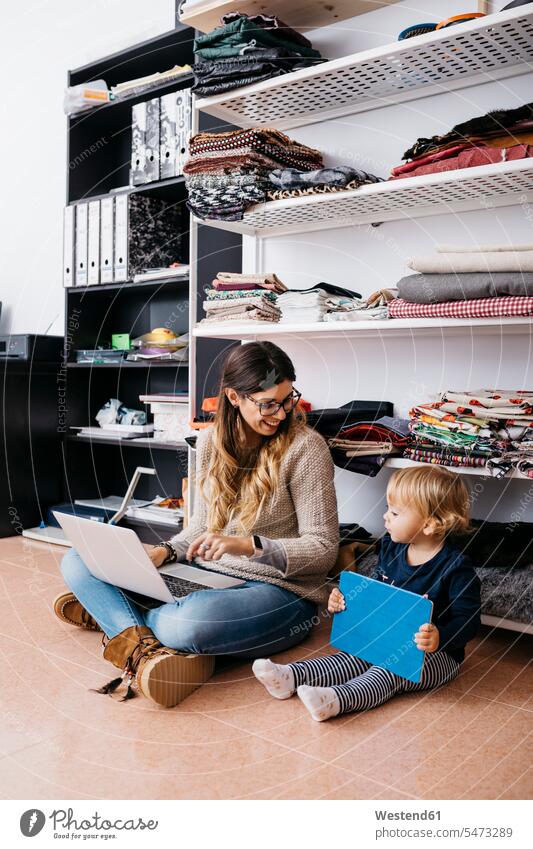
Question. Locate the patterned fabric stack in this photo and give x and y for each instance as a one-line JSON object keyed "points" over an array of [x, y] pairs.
{"points": [[243, 297], [227, 172], [474, 429], [468, 282], [289, 182], [246, 49], [358, 309], [502, 135], [371, 442]]}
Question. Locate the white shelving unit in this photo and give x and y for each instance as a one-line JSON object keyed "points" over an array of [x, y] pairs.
{"points": [[483, 187], [496, 47], [487, 49], [361, 329]]}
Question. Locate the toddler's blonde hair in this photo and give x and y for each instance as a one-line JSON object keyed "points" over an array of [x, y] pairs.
{"points": [[436, 493]]}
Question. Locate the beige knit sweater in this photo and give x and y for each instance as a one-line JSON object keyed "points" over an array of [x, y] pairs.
{"points": [[301, 515]]}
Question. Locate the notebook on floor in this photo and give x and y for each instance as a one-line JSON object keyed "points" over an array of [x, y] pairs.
{"points": [[379, 625]]}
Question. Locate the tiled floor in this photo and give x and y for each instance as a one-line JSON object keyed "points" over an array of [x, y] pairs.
{"points": [[58, 740]]}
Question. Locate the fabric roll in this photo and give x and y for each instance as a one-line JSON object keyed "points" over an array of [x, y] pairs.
{"points": [[482, 308], [457, 263], [483, 249], [436, 288]]}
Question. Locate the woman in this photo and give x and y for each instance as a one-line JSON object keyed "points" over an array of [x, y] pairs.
{"points": [[265, 511]]}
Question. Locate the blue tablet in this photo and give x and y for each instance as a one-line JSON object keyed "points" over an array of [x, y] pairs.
{"points": [[379, 625]]}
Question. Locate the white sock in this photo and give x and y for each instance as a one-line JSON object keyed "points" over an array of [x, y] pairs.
{"points": [[276, 678], [321, 702]]}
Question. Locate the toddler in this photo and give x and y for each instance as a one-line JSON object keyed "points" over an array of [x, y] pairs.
{"points": [[425, 505]]}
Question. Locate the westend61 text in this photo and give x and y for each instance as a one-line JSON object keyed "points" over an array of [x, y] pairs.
{"points": [[407, 815]]}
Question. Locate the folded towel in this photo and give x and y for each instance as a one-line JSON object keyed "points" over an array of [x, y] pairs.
{"points": [[446, 263]]}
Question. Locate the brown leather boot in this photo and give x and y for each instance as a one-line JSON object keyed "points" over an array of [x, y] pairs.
{"points": [[69, 609], [161, 674]]}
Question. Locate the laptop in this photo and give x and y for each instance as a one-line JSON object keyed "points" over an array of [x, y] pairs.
{"points": [[116, 555], [379, 624]]}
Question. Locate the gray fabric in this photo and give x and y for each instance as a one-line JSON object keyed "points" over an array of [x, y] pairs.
{"points": [[438, 288]]}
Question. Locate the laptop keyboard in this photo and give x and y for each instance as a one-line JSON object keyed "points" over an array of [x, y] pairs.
{"points": [[180, 587]]}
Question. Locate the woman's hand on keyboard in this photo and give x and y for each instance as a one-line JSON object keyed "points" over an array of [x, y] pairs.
{"points": [[158, 554], [210, 546]]}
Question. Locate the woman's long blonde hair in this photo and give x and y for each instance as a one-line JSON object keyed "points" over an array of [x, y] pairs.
{"points": [[240, 482]]}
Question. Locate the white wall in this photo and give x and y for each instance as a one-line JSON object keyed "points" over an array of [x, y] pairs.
{"points": [[403, 370], [40, 41]]}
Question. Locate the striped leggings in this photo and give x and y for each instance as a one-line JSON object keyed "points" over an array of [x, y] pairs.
{"points": [[361, 686]]}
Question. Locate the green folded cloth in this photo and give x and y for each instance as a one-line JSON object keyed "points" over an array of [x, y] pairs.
{"points": [[216, 294], [228, 40]]}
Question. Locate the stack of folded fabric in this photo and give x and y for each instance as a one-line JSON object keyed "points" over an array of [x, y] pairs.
{"points": [[231, 281], [243, 297], [374, 441], [359, 309], [337, 424], [472, 429], [247, 49], [501, 135], [290, 182], [227, 172], [468, 282], [313, 304]]}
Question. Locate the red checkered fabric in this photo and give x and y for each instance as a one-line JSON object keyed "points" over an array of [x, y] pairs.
{"points": [[479, 308]]}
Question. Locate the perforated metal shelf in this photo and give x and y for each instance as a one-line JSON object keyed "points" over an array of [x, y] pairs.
{"points": [[484, 187], [488, 49]]}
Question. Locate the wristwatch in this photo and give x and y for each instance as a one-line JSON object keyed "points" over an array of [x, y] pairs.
{"points": [[172, 555], [257, 545]]}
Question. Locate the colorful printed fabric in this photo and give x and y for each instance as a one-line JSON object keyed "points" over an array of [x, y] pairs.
{"points": [[520, 460], [269, 142], [440, 458], [481, 308], [489, 399]]}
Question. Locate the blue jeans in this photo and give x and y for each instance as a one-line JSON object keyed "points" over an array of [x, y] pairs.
{"points": [[255, 619]]}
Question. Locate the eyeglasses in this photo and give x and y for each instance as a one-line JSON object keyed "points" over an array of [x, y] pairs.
{"points": [[269, 408]]}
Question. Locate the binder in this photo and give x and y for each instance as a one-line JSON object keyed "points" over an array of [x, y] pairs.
{"points": [[167, 148], [121, 237], [138, 144], [151, 146], [68, 246], [81, 243], [183, 127], [93, 249], [107, 238]]}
